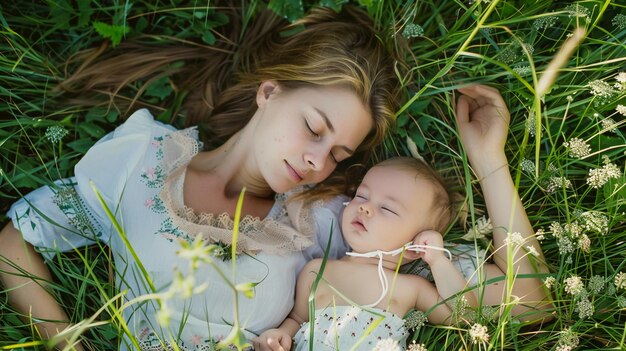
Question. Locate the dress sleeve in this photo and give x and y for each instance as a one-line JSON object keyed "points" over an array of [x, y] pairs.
{"points": [[328, 223], [68, 214]]}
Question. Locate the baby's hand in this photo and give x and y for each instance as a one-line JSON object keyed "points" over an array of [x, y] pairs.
{"points": [[272, 340], [430, 238]]}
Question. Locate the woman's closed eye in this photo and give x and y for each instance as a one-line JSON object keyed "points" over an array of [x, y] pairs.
{"points": [[313, 133]]}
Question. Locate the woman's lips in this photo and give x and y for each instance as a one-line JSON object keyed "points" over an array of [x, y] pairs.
{"points": [[358, 224], [293, 173]]}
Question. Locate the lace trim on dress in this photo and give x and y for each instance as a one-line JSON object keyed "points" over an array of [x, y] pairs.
{"points": [[289, 230]]}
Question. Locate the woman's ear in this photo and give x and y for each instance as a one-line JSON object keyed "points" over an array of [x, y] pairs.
{"points": [[266, 89]]}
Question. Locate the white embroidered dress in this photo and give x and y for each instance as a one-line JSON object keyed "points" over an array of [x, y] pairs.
{"points": [[139, 169]]}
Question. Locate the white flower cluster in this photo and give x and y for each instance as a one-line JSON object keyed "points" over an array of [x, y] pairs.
{"points": [[584, 307], [412, 30], [609, 124], [479, 333], [568, 340], [595, 221], [621, 109], [574, 285], [577, 147], [417, 347], [544, 22], [514, 239], [527, 166], [602, 90], [599, 176], [596, 284], [549, 282], [54, 134], [570, 236], [620, 280], [619, 21], [576, 10], [555, 183], [387, 345], [481, 229]]}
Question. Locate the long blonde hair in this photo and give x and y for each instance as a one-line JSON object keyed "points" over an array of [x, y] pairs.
{"points": [[323, 48]]}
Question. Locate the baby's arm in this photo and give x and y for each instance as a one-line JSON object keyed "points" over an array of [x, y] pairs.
{"points": [[279, 339], [448, 280]]}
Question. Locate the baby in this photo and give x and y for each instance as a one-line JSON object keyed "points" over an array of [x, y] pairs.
{"points": [[400, 201]]}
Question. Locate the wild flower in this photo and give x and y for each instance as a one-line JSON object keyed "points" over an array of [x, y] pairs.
{"points": [[164, 315], [609, 124], [595, 221], [621, 109], [532, 251], [621, 76], [515, 239], [412, 30], [557, 229], [527, 166], [531, 125], [481, 229], [599, 176], [549, 282], [621, 302], [540, 234], [387, 345], [585, 308], [568, 338], [573, 229], [509, 54], [489, 312], [619, 21], [544, 22], [569, 98], [54, 134], [576, 10], [595, 284], [584, 243], [528, 47], [459, 308], [522, 70], [602, 90], [415, 320], [577, 147], [574, 285], [555, 183], [416, 347], [620, 280], [479, 333]]}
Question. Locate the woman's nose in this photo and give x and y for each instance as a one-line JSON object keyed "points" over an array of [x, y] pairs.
{"points": [[363, 208], [316, 160]]}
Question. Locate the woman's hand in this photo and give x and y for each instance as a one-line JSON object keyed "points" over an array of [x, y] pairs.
{"points": [[483, 122]]}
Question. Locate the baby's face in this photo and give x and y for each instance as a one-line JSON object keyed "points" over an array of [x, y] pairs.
{"points": [[390, 207]]}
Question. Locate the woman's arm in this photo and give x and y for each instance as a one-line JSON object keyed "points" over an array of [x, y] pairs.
{"points": [[483, 122], [18, 263], [279, 339]]}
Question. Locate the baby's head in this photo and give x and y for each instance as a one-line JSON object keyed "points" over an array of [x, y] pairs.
{"points": [[397, 199]]}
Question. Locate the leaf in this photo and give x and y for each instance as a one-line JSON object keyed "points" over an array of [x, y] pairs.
{"points": [[289, 9], [161, 88], [208, 37], [92, 129], [112, 32], [61, 12], [84, 12], [333, 4]]}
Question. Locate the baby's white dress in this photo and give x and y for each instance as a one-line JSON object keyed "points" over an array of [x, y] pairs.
{"points": [[342, 327], [139, 170]]}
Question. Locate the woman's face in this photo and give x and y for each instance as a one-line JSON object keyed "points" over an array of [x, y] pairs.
{"points": [[302, 134]]}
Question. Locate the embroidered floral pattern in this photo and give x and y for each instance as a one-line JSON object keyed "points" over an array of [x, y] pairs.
{"points": [[155, 204], [78, 213], [157, 142], [149, 341], [171, 232], [153, 177]]}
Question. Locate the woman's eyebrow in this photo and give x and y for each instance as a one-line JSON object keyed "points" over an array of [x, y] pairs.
{"points": [[331, 128]]}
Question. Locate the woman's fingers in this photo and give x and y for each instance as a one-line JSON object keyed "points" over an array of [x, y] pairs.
{"points": [[484, 95]]}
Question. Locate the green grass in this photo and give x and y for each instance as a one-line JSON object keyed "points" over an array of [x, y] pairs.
{"points": [[506, 44]]}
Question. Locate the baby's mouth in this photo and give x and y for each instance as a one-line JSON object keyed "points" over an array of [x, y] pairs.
{"points": [[357, 223]]}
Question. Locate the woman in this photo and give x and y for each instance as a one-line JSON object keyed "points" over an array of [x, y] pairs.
{"points": [[311, 101]]}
